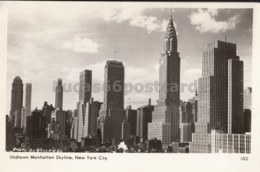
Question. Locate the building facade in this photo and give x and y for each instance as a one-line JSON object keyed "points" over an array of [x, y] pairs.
{"points": [[230, 143], [16, 97], [165, 123], [18, 118], [47, 111], [216, 93], [28, 98], [23, 118], [36, 125], [235, 96], [59, 95], [112, 114], [125, 130], [85, 86], [83, 106], [247, 109], [144, 118], [131, 117], [185, 132]]}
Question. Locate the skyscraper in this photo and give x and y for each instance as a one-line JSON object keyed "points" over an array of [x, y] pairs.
{"points": [[85, 81], [235, 96], [165, 124], [28, 98], [144, 117], [131, 116], [47, 110], [112, 114], [36, 125], [185, 112], [85, 85], [16, 97], [186, 117], [92, 116], [59, 95], [217, 94]]}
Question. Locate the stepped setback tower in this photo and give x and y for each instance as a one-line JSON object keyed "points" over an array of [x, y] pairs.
{"points": [[220, 95], [165, 119]]}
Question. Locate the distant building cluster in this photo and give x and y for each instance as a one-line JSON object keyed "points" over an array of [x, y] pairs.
{"points": [[216, 120]]}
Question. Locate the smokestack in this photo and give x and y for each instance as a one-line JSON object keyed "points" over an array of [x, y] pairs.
{"points": [[149, 101]]}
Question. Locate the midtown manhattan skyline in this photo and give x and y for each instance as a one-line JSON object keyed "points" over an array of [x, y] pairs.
{"points": [[44, 45]]}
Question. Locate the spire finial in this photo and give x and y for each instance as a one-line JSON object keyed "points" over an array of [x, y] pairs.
{"points": [[171, 13]]}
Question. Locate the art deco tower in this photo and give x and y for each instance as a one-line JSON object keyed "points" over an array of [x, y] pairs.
{"points": [[17, 97], [165, 121], [59, 95], [220, 95]]}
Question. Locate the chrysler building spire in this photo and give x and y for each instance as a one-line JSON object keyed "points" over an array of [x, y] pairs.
{"points": [[170, 37], [165, 119]]}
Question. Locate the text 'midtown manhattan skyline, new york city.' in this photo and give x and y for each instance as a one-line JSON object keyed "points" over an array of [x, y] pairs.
{"points": [[212, 117]]}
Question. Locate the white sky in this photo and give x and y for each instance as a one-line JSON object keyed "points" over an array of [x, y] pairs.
{"points": [[50, 40]]}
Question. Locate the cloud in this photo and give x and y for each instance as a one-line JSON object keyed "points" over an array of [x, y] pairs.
{"points": [[205, 21], [137, 17], [81, 45]]}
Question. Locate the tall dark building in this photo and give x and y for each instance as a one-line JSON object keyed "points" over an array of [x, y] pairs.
{"points": [[92, 116], [185, 112], [16, 97], [188, 117], [47, 110], [36, 125], [68, 123], [59, 95], [60, 119], [221, 71], [112, 114], [131, 117], [144, 116], [235, 96], [85, 85], [165, 124], [9, 137]]}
